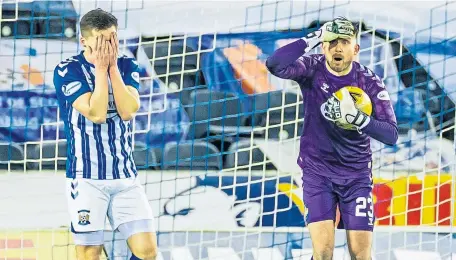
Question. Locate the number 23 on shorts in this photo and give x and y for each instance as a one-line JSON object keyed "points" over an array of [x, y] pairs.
{"points": [[364, 208]]}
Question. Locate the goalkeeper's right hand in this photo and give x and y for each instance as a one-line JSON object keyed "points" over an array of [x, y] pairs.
{"points": [[338, 28]]}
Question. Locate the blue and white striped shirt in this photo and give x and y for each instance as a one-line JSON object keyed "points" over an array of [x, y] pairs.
{"points": [[95, 151]]}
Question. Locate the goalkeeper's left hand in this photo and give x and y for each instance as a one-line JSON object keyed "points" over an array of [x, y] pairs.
{"points": [[348, 113]]}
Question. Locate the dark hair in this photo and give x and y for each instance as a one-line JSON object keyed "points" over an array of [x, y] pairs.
{"points": [[97, 19], [356, 26]]}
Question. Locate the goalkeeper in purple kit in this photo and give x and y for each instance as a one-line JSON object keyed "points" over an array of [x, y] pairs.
{"points": [[345, 104]]}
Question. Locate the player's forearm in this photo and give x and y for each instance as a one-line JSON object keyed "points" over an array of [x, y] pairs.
{"points": [[281, 62], [99, 100], [382, 131], [289, 62], [285, 56], [126, 102]]}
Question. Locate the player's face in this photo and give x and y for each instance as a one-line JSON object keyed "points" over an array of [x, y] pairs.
{"points": [[340, 53], [90, 41]]}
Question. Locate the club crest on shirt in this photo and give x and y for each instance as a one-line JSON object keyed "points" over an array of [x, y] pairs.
{"points": [[84, 217]]}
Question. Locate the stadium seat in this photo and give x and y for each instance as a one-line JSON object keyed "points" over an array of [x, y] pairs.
{"points": [[186, 68], [286, 127], [11, 152], [284, 131], [261, 103], [217, 112], [144, 157], [243, 148], [195, 155], [46, 154], [184, 95], [272, 102], [290, 105]]}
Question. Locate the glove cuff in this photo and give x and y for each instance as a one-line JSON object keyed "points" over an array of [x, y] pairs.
{"points": [[312, 39], [360, 120], [366, 121]]}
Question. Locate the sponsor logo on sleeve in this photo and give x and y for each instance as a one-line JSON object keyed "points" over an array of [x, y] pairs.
{"points": [[135, 76], [71, 88], [383, 95]]}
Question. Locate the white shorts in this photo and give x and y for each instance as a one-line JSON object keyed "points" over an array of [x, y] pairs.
{"points": [[90, 201]]}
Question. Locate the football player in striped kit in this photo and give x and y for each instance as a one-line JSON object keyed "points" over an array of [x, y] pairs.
{"points": [[98, 96]]}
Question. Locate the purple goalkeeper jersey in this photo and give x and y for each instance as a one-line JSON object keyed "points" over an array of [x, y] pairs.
{"points": [[325, 148]]}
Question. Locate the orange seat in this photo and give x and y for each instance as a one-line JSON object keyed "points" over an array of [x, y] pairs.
{"points": [[248, 69]]}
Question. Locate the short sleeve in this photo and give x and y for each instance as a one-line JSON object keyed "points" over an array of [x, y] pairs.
{"points": [[70, 82], [131, 73]]}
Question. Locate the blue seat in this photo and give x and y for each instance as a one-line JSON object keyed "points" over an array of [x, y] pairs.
{"points": [[11, 152], [50, 155], [145, 157], [284, 113], [214, 112], [191, 155], [243, 149]]}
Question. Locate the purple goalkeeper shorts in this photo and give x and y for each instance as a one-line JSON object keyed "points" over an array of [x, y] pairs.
{"points": [[322, 195]]}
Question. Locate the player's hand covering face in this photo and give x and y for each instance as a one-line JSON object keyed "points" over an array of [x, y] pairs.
{"points": [[339, 44], [114, 42], [101, 42]]}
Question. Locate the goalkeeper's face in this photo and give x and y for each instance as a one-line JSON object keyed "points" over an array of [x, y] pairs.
{"points": [[340, 53]]}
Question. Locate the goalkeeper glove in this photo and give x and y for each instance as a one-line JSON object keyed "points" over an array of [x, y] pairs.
{"points": [[344, 112], [314, 39], [338, 28]]}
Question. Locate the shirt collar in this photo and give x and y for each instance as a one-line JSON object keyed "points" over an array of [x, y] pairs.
{"points": [[84, 61]]}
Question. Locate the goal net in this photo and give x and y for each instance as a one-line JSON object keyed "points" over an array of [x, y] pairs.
{"points": [[217, 137]]}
